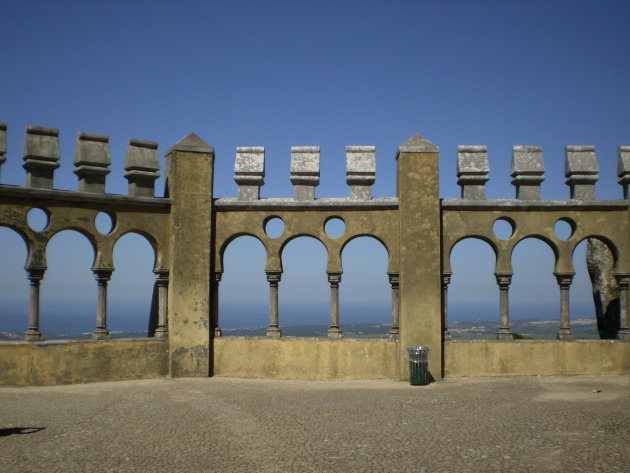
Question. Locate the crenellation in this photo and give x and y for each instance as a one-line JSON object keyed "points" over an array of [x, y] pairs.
{"points": [[142, 164], [581, 170], [249, 171], [92, 160], [528, 171], [304, 171], [623, 169], [360, 171], [472, 171], [41, 156]]}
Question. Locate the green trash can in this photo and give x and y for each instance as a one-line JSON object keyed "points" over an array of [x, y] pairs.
{"points": [[418, 365]]}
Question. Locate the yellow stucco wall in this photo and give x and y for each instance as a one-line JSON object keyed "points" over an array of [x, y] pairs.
{"points": [[532, 357], [305, 358], [47, 363]]}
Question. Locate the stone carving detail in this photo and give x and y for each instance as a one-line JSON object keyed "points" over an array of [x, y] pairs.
{"points": [[92, 160], [304, 171], [249, 171], [41, 156], [360, 171], [472, 171], [581, 171], [623, 169], [528, 171], [142, 165]]}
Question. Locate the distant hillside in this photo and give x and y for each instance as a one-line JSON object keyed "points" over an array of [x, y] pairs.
{"points": [[478, 330]]}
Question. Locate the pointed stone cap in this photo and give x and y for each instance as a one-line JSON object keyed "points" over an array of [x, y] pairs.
{"points": [[191, 144], [417, 144], [623, 164]]}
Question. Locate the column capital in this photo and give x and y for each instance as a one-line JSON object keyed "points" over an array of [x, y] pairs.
{"points": [[564, 279], [446, 278], [218, 275], [35, 275], [334, 278], [623, 279], [394, 279], [103, 274], [161, 276], [503, 280], [274, 276]]}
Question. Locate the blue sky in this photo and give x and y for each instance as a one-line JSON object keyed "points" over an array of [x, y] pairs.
{"points": [[278, 74]]}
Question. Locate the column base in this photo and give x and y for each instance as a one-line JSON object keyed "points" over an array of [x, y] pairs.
{"points": [[218, 332], [100, 334], [161, 333], [335, 332], [565, 334], [623, 334], [33, 336], [446, 335], [274, 332], [504, 334]]}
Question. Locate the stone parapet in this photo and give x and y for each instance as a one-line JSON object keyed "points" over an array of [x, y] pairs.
{"points": [[142, 165], [472, 171], [249, 171], [581, 170], [92, 160], [41, 156], [528, 171], [360, 171], [304, 171]]}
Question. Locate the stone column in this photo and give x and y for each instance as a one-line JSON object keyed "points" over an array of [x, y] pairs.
{"points": [[564, 281], [102, 277], [581, 170], [528, 171], [394, 281], [446, 280], [334, 331], [472, 171], [624, 316], [35, 275], [273, 277], [190, 167], [503, 281], [420, 252], [304, 171], [161, 277], [41, 156], [214, 317]]}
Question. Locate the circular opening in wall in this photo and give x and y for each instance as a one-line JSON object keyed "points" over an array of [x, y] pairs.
{"points": [[274, 227], [104, 223], [334, 227], [564, 228], [503, 228], [37, 219]]}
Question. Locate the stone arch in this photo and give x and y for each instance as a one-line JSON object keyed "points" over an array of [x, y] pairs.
{"points": [[14, 293], [242, 291], [149, 239], [365, 292], [131, 288], [226, 243], [493, 246], [543, 238], [373, 237], [471, 290], [294, 237]]}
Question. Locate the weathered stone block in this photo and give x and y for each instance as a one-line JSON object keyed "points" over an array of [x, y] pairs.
{"points": [[304, 171], [528, 171], [360, 171], [581, 170], [41, 156], [249, 171], [472, 171], [142, 164], [92, 160], [623, 169]]}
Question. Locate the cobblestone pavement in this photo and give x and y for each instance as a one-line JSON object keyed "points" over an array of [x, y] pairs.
{"points": [[518, 424]]}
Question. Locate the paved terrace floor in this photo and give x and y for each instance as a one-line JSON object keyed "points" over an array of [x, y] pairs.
{"points": [[518, 424]]}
